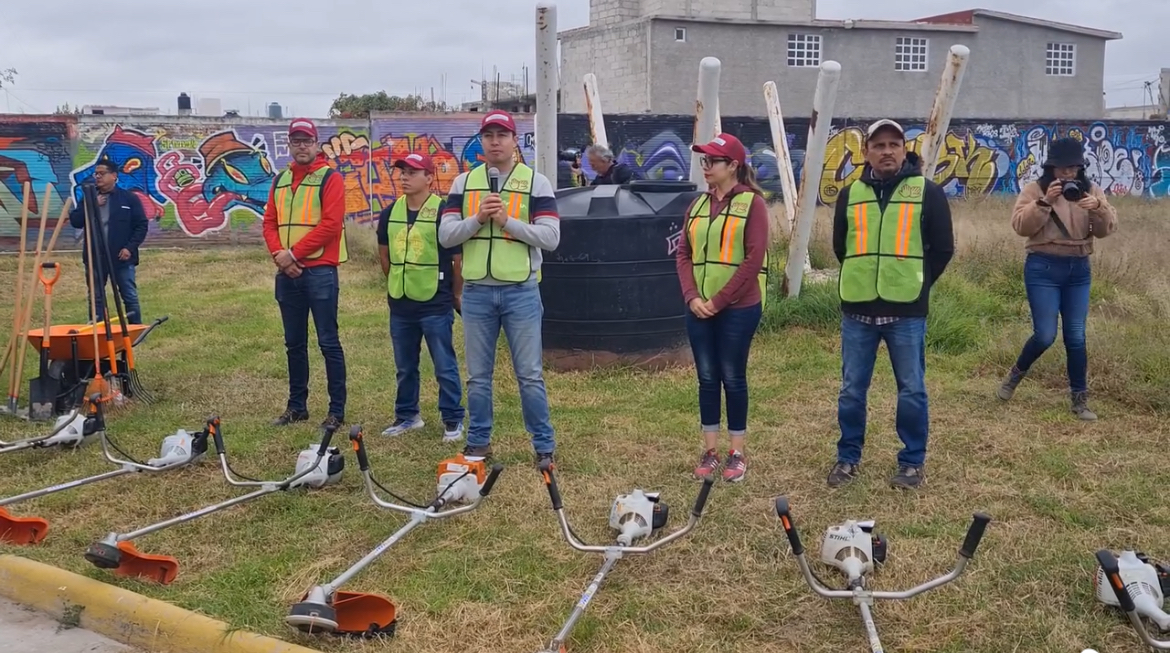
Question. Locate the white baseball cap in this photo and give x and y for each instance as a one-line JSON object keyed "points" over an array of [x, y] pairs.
{"points": [[884, 122]]}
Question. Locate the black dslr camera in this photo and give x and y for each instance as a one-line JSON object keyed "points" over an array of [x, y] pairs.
{"points": [[571, 155], [1071, 190]]}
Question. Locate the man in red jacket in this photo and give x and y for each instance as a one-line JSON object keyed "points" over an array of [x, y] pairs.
{"points": [[304, 228]]}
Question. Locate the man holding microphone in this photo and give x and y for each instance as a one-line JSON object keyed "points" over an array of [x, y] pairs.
{"points": [[503, 213]]}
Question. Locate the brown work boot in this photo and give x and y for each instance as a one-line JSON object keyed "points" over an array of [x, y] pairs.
{"points": [[1008, 387], [290, 416], [1080, 406], [842, 473]]}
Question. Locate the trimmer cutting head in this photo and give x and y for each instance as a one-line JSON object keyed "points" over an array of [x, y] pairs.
{"points": [[127, 561], [22, 530], [348, 614]]}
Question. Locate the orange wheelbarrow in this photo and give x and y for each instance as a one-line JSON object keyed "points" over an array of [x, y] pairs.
{"points": [[73, 360]]}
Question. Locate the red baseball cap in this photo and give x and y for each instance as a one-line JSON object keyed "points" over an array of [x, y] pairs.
{"points": [[498, 118], [416, 161], [724, 145], [302, 126]]}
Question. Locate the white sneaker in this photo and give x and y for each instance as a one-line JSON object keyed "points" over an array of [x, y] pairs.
{"points": [[452, 431], [401, 426]]}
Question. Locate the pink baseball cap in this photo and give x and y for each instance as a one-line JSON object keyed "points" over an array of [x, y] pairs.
{"points": [[302, 126], [416, 161], [498, 118], [724, 145]]}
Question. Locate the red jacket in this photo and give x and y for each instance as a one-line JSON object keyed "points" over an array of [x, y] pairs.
{"points": [[327, 234], [743, 289]]}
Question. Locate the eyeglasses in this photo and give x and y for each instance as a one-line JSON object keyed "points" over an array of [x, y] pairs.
{"points": [[301, 142], [710, 161]]}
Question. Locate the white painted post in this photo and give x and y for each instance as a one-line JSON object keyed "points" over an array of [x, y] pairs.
{"points": [[718, 118], [706, 106], [810, 177], [783, 158], [944, 107], [593, 108], [546, 90]]}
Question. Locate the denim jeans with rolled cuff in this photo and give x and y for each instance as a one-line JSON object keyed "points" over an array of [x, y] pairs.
{"points": [[721, 345]]}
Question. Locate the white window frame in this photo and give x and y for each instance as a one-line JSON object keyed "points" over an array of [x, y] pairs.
{"points": [[1060, 59], [804, 50], [680, 34], [906, 54]]}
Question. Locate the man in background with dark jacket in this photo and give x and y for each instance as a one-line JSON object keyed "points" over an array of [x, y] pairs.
{"points": [[304, 229], [893, 235], [123, 223]]}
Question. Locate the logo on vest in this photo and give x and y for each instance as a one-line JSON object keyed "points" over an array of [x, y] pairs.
{"points": [[910, 192], [518, 185], [427, 213], [740, 206]]}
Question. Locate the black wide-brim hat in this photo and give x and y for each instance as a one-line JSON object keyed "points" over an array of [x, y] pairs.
{"points": [[1064, 152]]}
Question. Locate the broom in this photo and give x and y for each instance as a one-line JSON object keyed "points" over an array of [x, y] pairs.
{"points": [[106, 386]]}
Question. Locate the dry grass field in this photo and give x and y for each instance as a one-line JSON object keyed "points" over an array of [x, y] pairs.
{"points": [[502, 579]]}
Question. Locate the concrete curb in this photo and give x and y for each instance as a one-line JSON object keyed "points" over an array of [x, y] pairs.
{"points": [[125, 616]]}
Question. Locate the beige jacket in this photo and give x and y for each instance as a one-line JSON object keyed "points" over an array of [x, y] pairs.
{"points": [[1034, 222]]}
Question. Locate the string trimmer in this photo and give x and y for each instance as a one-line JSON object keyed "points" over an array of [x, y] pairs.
{"points": [[178, 450], [635, 515], [1136, 586], [326, 609], [855, 549], [69, 431], [116, 551]]}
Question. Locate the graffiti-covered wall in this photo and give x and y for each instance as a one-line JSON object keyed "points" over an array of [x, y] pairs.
{"points": [[977, 157], [207, 179]]}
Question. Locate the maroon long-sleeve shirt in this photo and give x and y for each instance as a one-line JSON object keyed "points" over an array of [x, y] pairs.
{"points": [[743, 289]]}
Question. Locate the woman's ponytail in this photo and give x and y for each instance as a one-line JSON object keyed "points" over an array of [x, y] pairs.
{"points": [[746, 175]]}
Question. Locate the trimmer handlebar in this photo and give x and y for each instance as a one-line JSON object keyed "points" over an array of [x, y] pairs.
{"points": [[966, 552], [701, 500], [213, 429], [323, 450], [491, 480], [974, 534], [359, 447], [1108, 563], [550, 480]]}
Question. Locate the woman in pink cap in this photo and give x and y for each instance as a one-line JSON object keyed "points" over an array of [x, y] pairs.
{"points": [[722, 267]]}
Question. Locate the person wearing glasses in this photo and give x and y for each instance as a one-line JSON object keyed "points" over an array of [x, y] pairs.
{"points": [[304, 229], [722, 265]]}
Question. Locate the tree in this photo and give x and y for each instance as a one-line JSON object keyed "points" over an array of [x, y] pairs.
{"points": [[8, 76], [360, 106], [65, 109]]}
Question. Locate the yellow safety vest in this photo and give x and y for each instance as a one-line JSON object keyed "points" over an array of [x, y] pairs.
{"points": [[492, 249], [883, 249], [297, 213], [414, 251], [717, 244]]}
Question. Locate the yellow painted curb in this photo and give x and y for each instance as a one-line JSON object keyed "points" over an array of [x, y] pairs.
{"points": [[127, 617]]}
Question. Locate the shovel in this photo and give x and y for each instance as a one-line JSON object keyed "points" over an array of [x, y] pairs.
{"points": [[43, 390]]}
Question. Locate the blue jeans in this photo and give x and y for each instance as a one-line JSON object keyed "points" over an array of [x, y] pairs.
{"points": [[906, 341], [316, 291], [124, 276], [518, 310], [721, 345], [1058, 285], [406, 335]]}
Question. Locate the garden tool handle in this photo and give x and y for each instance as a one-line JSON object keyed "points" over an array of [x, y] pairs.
{"points": [[323, 450], [359, 448], [546, 470], [213, 429], [974, 534], [56, 268], [491, 479], [785, 515], [1108, 563], [701, 500]]}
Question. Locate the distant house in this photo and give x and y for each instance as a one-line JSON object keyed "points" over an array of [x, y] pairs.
{"points": [[646, 56]]}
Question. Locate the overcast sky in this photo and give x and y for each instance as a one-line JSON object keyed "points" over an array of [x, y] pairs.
{"points": [[302, 54]]}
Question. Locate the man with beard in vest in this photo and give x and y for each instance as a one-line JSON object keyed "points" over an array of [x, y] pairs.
{"points": [[304, 228], [502, 234], [892, 234], [423, 287]]}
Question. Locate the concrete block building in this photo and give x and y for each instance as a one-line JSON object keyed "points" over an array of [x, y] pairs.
{"points": [[646, 56]]}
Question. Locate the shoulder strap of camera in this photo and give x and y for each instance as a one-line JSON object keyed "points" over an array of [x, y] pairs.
{"points": [[1059, 224]]}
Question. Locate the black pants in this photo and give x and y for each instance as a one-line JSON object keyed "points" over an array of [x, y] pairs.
{"points": [[316, 291]]}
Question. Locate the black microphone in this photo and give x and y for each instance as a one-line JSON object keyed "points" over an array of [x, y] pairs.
{"points": [[494, 179]]}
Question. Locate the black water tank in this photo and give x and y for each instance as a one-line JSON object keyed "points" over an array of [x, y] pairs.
{"points": [[611, 286]]}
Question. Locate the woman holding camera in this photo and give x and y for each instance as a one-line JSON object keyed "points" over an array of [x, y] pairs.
{"points": [[722, 264], [1060, 214]]}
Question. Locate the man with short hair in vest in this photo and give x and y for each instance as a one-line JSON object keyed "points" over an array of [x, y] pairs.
{"points": [[304, 229], [423, 288], [892, 234], [502, 234]]}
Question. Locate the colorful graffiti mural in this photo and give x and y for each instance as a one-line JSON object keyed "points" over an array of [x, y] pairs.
{"points": [[208, 179], [977, 157]]}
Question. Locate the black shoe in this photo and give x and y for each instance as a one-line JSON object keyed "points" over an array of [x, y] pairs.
{"points": [[289, 416], [332, 421], [908, 477], [478, 452], [541, 457], [843, 473]]}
